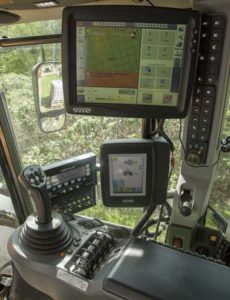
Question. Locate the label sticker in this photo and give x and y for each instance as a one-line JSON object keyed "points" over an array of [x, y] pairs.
{"points": [[73, 280]]}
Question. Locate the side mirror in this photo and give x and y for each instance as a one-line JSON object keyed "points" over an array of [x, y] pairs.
{"points": [[48, 96]]}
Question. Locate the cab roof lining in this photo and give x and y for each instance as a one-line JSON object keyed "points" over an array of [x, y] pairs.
{"points": [[27, 12]]}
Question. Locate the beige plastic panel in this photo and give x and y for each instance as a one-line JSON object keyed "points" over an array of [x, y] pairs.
{"points": [[30, 14], [200, 180]]}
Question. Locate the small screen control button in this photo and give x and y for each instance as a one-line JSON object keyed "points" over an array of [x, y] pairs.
{"points": [[216, 34], [204, 120], [203, 137], [206, 111], [195, 110], [218, 22], [207, 101]]}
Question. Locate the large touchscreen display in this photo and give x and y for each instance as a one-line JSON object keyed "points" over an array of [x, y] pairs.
{"points": [[129, 63]]}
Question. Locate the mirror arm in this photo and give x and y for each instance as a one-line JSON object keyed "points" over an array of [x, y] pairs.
{"points": [[30, 40]]}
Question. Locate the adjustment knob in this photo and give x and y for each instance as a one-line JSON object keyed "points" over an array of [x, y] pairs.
{"points": [[186, 209], [193, 158], [186, 202]]}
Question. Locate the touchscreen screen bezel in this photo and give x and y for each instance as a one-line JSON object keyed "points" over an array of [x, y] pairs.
{"points": [[129, 14]]}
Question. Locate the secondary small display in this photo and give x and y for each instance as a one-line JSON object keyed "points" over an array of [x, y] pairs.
{"points": [[127, 174], [134, 172], [129, 63]]}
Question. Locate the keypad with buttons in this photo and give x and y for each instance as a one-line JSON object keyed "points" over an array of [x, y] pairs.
{"points": [[71, 183], [204, 94], [34, 176]]}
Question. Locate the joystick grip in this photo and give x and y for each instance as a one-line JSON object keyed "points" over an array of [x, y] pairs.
{"points": [[34, 179]]}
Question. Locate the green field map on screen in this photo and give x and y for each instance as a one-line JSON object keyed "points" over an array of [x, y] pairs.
{"points": [[113, 51]]}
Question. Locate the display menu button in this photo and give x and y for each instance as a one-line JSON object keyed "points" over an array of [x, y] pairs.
{"points": [[203, 137], [204, 120], [217, 22], [207, 101], [216, 34], [195, 110]]}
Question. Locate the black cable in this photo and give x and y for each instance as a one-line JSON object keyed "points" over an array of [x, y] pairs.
{"points": [[159, 221], [138, 228], [6, 265], [161, 218], [180, 139], [211, 208], [166, 137], [217, 159], [160, 131], [154, 221], [195, 166], [150, 3], [140, 1], [144, 223], [170, 172], [221, 221], [215, 223]]}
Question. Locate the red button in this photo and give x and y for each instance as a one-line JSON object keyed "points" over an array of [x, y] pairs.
{"points": [[178, 243]]}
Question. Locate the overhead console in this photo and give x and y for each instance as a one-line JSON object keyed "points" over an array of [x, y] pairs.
{"points": [[129, 61]]}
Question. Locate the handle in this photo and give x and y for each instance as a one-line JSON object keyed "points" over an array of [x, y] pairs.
{"points": [[34, 179]]}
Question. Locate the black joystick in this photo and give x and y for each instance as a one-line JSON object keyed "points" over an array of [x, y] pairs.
{"points": [[34, 179], [45, 232]]}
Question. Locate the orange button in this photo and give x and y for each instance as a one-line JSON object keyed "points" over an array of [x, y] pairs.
{"points": [[62, 254]]}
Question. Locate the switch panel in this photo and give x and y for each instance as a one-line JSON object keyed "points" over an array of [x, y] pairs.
{"points": [[71, 183], [204, 93]]}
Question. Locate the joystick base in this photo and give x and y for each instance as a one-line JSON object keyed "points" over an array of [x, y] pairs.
{"points": [[49, 238]]}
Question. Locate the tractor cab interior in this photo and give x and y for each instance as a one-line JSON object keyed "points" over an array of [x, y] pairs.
{"points": [[114, 148]]}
